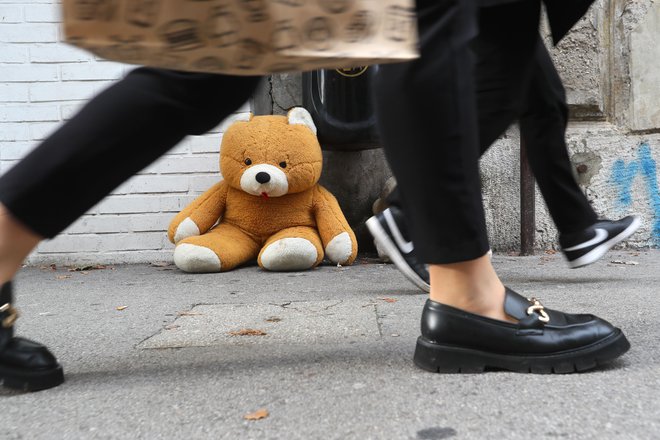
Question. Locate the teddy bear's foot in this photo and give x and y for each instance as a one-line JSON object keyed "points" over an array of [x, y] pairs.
{"points": [[289, 254], [196, 259], [340, 248]]}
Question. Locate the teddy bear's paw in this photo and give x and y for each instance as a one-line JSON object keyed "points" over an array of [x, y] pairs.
{"points": [[187, 228], [340, 248], [289, 254], [196, 259]]}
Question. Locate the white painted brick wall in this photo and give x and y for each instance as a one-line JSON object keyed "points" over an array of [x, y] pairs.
{"points": [[43, 82]]}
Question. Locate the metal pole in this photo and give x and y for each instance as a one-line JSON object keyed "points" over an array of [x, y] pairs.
{"points": [[527, 203]]}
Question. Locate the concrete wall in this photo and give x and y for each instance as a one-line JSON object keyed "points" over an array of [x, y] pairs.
{"points": [[610, 65], [42, 83]]}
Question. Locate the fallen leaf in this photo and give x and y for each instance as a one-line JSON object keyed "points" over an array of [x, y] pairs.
{"points": [[273, 319], [120, 308], [87, 268], [63, 277], [248, 332], [172, 327], [389, 300], [52, 267], [257, 415]]}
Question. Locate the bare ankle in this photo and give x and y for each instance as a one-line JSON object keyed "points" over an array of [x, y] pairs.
{"points": [[472, 286], [16, 243]]}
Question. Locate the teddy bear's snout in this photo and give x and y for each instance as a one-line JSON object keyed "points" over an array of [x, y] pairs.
{"points": [[262, 177], [265, 178]]}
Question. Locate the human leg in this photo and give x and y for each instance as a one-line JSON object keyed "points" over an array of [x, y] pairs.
{"points": [[515, 79], [115, 135], [16, 243], [438, 127], [432, 145], [503, 60], [118, 133], [471, 320], [584, 238], [543, 123], [441, 190]]}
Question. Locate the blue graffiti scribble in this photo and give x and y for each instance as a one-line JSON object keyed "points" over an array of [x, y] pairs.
{"points": [[649, 171], [623, 176]]}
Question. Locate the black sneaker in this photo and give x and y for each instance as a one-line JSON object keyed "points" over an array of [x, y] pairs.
{"points": [[589, 245], [391, 236]]}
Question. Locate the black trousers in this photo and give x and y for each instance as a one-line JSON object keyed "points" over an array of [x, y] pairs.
{"points": [[543, 129], [428, 118], [511, 87], [426, 114], [114, 136], [435, 155]]}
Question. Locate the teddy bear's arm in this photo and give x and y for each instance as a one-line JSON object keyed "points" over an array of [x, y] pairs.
{"points": [[198, 217], [338, 238]]}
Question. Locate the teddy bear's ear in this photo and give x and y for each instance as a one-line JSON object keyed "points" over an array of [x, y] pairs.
{"points": [[243, 117], [300, 116]]}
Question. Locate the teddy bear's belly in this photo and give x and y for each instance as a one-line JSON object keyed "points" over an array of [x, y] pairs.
{"points": [[264, 217]]}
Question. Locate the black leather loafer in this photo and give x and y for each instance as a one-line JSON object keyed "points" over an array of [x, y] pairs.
{"points": [[24, 364], [543, 340]]}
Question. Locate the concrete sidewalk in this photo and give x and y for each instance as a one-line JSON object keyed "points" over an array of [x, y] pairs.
{"points": [[153, 353]]}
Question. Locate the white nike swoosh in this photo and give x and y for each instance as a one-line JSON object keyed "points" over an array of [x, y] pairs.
{"points": [[601, 234], [405, 246]]}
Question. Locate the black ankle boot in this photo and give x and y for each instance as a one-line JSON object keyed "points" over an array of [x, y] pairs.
{"points": [[24, 364]]}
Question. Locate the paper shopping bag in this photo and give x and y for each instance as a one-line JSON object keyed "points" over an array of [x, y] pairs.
{"points": [[244, 37]]}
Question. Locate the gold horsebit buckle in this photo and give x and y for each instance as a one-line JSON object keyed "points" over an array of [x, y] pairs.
{"points": [[11, 317], [538, 308]]}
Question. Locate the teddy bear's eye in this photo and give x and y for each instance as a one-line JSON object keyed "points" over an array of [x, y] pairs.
{"points": [[283, 164], [248, 161]]}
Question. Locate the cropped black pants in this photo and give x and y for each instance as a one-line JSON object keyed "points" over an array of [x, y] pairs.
{"points": [[438, 114], [510, 87], [114, 136]]}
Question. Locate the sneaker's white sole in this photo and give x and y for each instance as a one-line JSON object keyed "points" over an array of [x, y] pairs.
{"points": [[383, 240], [597, 253]]}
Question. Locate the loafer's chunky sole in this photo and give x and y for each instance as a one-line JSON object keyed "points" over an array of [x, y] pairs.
{"points": [[451, 359], [31, 380]]}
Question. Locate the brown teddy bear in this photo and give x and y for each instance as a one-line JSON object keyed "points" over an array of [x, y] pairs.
{"points": [[269, 205]]}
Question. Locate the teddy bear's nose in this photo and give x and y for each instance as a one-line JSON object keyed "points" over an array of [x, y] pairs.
{"points": [[262, 177]]}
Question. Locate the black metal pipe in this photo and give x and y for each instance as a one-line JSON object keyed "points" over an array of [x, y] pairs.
{"points": [[527, 204]]}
